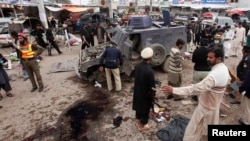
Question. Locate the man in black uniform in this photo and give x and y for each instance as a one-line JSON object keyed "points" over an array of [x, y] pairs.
{"points": [[241, 70], [51, 40], [90, 30], [85, 37], [39, 36]]}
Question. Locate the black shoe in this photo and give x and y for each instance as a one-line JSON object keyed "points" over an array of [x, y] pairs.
{"points": [[235, 102], [194, 97], [40, 89], [33, 89], [170, 96], [60, 52]]}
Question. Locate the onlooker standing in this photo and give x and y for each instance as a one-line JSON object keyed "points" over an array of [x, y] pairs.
{"points": [[14, 35], [227, 38], [99, 32], [51, 40], [248, 39], [201, 67], [111, 59], [207, 33], [144, 85], [189, 38], [4, 79], [242, 68], [211, 89], [109, 35], [245, 90], [246, 26], [39, 36], [29, 54], [90, 30], [238, 39], [85, 37], [197, 32], [175, 67], [241, 71], [70, 25]]}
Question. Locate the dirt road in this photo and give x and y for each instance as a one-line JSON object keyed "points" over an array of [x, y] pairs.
{"points": [[41, 116]]}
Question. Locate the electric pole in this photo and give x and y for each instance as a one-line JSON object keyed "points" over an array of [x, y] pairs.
{"points": [[42, 13], [109, 4]]}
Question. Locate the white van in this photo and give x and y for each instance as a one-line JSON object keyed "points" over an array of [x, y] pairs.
{"points": [[220, 20], [5, 21]]}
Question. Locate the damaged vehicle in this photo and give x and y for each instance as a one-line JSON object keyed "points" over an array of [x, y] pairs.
{"points": [[141, 32]]}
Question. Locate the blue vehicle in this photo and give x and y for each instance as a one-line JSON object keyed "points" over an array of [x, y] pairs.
{"points": [[141, 32]]}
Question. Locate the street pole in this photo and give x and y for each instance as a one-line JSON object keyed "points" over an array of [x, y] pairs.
{"points": [[42, 14], [136, 5], [109, 4], [151, 6]]}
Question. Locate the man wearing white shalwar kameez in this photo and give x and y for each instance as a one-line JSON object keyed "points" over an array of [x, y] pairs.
{"points": [[239, 38], [226, 38], [211, 90]]}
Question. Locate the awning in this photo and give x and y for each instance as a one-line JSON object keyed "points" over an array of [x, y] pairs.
{"points": [[54, 9], [76, 9], [234, 11], [6, 6]]}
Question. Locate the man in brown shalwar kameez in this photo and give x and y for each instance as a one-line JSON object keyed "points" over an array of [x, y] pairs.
{"points": [[211, 90]]}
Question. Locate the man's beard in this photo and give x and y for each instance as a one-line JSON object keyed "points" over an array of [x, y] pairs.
{"points": [[211, 63], [22, 42]]}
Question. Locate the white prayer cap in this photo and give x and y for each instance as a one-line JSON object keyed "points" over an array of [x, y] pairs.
{"points": [[147, 53]]}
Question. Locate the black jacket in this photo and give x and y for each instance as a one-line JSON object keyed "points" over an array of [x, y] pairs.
{"points": [[49, 35], [242, 69], [199, 59], [111, 58]]}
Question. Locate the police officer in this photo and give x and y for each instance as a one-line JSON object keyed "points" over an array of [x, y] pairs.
{"points": [[242, 67], [111, 59], [29, 53], [241, 71]]}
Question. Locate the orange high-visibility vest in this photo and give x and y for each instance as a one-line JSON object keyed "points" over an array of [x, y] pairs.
{"points": [[27, 51]]}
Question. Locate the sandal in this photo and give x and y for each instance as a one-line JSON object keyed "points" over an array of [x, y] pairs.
{"points": [[145, 127], [1, 107], [9, 94]]}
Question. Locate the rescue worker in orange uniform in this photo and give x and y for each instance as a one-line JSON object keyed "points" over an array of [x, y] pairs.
{"points": [[29, 53]]}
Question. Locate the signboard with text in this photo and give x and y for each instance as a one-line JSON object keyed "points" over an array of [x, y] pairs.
{"points": [[214, 1]]}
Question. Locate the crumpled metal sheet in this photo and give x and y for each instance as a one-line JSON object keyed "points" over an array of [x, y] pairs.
{"points": [[63, 66]]}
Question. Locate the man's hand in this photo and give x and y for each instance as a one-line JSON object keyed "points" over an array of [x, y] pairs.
{"points": [[101, 68], [167, 89]]}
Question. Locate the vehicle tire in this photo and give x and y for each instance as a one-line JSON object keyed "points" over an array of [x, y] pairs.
{"points": [[165, 65], [159, 54]]}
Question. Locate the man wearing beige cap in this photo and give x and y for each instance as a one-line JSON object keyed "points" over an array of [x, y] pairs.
{"points": [[144, 85]]}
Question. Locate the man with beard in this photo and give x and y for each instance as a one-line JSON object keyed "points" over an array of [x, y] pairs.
{"points": [[211, 91], [29, 53], [144, 85]]}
